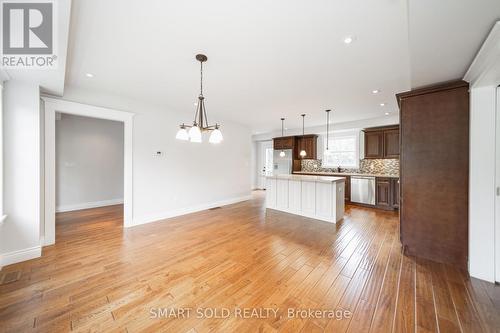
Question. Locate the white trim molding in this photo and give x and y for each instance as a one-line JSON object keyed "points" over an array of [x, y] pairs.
{"points": [[482, 70], [20, 255], [183, 211], [484, 77], [87, 205], [53, 105]]}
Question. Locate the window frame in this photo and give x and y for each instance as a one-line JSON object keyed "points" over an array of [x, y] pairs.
{"points": [[343, 134]]}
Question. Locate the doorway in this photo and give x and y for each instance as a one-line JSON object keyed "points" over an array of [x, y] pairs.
{"points": [[264, 162], [89, 163], [52, 106]]}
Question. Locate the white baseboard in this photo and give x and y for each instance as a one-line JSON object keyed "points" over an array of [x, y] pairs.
{"points": [[184, 211], [86, 205], [20, 255]]}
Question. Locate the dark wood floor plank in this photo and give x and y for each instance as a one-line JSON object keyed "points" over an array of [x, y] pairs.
{"points": [[425, 301], [404, 320]]}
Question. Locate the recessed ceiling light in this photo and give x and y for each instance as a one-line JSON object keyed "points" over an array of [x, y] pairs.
{"points": [[375, 91], [382, 104], [387, 113], [348, 39], [89, 75]]}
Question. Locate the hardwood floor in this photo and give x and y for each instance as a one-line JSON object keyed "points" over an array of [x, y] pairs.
{"points": [[101, 277]]}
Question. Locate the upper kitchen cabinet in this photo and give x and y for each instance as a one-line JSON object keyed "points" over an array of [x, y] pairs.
{"points": [[309, 143], [374, 144], [284, 142], [391, 143], [382, 142]]}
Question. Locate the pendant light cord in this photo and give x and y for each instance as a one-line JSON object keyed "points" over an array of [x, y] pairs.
{"points": [[327, 127], [303, 117], [282, 124]]}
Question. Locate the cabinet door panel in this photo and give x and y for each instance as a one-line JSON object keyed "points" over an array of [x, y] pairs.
{"points": [[324, 200], [282, 193], [308, 197], [270, 192], [391, 143], [309, 144], [294, 195], [374, 144], [383, 194], [395, 192]]}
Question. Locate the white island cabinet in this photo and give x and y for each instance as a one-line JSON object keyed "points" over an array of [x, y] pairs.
{"points": [[317, 197]]}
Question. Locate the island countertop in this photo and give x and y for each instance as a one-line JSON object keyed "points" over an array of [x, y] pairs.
{"points": [[308, 178]]}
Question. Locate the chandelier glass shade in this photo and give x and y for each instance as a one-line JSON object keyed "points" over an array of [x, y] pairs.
{"points": [[200, 125], [182, 134]]}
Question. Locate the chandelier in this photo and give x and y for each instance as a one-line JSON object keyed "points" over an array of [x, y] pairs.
{"points": [[200, 123]]}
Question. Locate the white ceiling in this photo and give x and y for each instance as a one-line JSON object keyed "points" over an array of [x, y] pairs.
{"points": [[268, 59], [445, 36]]}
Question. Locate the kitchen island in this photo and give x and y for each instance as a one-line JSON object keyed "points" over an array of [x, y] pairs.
{"points": [[317, 197]]}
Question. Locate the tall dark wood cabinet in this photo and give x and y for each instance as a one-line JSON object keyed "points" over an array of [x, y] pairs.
{"points": [[434, 169]]}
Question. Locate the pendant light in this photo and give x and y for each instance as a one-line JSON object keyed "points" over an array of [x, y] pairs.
{"points": [[327, 151], [200, 123], [303, 153], [282, 152]]}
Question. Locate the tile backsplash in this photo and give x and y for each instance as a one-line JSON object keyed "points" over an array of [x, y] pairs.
{"points": [[374, 166]]}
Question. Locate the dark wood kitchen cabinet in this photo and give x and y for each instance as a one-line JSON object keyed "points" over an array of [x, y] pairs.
{"points": [[309, 143], [395, 193], [285, 142], [391, 143], [374, 144], [383, 193], [347, 189], [434, 169], [382, 142]]}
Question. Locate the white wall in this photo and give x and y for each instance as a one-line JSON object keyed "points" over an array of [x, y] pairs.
{"points": [[364, 123], [20, 232], [482, 183], [188, 176], [89, 162]]}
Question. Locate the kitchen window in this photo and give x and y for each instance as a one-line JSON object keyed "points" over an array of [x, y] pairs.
{"points": [[343, 151]]}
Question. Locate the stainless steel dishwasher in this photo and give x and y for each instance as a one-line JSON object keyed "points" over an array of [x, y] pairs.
{"points": [[363, 190]]}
